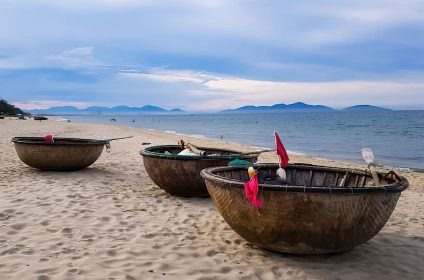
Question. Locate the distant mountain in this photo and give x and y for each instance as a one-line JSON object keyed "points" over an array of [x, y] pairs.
{"points": [[298, 106], [56, 110], [366, 108], [149, 109], [70, 110], [176, 110]]}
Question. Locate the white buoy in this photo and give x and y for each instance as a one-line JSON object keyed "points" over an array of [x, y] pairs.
{"points": [[368, 156], [281, 173]]}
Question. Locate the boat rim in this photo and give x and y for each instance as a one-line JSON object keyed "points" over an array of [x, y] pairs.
{"points": [[399, 185], [60, 141], [237, 155]]}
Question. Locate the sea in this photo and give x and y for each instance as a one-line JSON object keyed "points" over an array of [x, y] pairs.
{"points": [[395, 137]]}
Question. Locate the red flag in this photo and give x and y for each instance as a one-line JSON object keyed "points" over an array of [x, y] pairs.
{"points": [[281, 151], [49, 138], [251, 189]]}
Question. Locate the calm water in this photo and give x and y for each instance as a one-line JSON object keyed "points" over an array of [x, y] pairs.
{"points": [[396, 137]]}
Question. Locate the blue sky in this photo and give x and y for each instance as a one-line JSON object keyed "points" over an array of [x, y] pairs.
{"points": [[212, 55]]}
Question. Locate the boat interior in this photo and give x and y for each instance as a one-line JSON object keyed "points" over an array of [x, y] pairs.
{"points": [[309, 176], [175, 150]]}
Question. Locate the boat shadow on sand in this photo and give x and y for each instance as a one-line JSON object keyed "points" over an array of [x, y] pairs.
{"points": [[389, 255], [89, 171]]}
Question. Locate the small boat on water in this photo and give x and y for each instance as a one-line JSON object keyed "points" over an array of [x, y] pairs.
{"points": [[180, 174], [64, 154], [315, 210]]}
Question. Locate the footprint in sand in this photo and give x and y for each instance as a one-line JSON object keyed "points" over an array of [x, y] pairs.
{"points": [[67, 232], [4, 217], [105, 219], [73, 271], [52, 230], [211, 253], [150, 235], [111, 253], [18, 226], [87, 236]]}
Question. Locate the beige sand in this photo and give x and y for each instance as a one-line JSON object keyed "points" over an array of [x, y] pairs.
{"points": [[110, 221]]}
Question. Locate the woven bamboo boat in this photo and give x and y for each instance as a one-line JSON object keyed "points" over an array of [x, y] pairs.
{"points": [[316, 210], [180, 174], [64, 154]]}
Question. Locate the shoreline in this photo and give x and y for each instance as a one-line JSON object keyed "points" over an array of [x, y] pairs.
{"points": [[359, 161], [270, 157], [111, 221]]}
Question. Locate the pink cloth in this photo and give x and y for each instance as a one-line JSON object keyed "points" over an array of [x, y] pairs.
{"points": [[48, 138], [281, 151], [251, 189]]}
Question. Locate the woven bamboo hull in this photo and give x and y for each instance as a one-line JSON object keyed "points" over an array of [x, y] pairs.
{"points": [[58, 157], [179, 175], [304, 222]]}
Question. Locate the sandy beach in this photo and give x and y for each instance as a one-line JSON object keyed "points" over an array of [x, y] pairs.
{"points": [[110, 221]]}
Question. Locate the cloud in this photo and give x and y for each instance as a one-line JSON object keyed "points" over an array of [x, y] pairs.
{"points": [[77, 57], [394, 94], [247, 31], [90, 4], [45, 104], [170, 76], [219, 91], [200, 91], [217, 53], [195, 25]]}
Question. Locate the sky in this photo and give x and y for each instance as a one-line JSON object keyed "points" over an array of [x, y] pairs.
{"points": [[212, 55]]}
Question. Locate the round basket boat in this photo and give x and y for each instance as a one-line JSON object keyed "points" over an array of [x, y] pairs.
{"points": [[180, 174], [64, 154], [316, 210]]}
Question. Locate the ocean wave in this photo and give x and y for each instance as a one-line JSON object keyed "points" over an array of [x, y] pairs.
{"points": [[296, 153], [402, 169], [199, 136], [291, 152]]}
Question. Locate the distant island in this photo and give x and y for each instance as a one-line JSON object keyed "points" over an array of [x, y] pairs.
{"points": [[298, 107], [366, 108], [150, 109], [97, 110]]}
